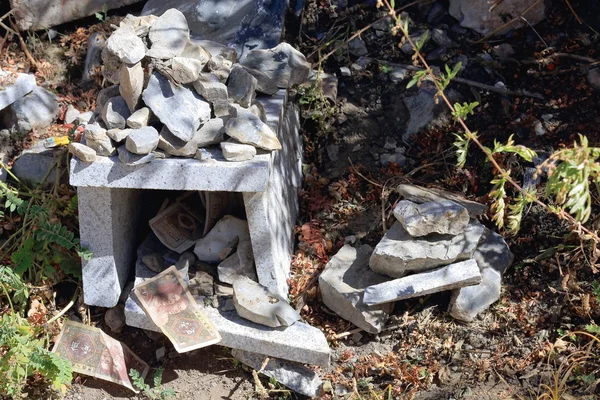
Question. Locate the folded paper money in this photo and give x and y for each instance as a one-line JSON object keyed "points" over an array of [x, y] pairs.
{"points": [[168, 302], [94, 353]]}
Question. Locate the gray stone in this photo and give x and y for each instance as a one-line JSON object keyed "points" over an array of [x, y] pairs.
{"points": [[398, 74], [243, 24], [196, 51], [115, 318], [210, 87], [342, 285], [593, 78], [219, 243], [233, 151], [437, 54], [71, 114], [201, 284], [142, 141], [118, 135], [186, 261], [212, 132], [424, 111], [259, 110], [397, 158], [222, 290], [420, 194], [241, 263], [357, 47], [42, 14], [241, 86], [333, 152], [220, 67], [115, 113], [97, 139], [221, 108], [140, 25], [179, 108], [283, 64], [399, 253], [249, 129], [83, 152], [295, 376], [345, 72], [139, 118], [111, 66], [204, 155], [131, 84], [493, 257], [256, 303], [85, 117], [440, 37], [444, 217], [36, 164], [128, 158], [185, 70], [105, 94], [415, 37], [436, 13], [14, 86], [453, 276], [169, 34], [154, 262], [126, 45], [35, 111], [477, 14], [264, 84], [503, 51]]}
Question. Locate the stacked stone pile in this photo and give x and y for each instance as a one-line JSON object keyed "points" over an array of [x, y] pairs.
{"points": [[436, 244], [172, 97]]}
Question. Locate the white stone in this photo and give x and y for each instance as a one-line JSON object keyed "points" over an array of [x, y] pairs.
{"points": [[283, 64], [83, 152], [185, 70], [126, 45], [131, 84], [399, 253], [169, 35], [118, 135], [295, 376], [142, 141], [444, 217], [342, 285], [233, 151], [420, 194], [210, 87], [457, 275], [218, 244], [241, 86], [71, 114], [14, 86], [115, 113], [254, 302], [249, 129], [241, 263], [97, 139], [139, 118]]}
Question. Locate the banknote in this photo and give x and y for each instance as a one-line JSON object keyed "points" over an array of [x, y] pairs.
{"points": [[217, 204], [168, 302], [94, 353], [177, 228]]}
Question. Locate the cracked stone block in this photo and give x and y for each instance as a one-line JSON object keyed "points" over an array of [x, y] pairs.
{"points": [[444, 217]]}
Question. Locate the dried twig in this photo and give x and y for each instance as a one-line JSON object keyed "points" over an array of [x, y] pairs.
{"points": [[348, 333], [489, 35], [573, 11], [23, 44]]}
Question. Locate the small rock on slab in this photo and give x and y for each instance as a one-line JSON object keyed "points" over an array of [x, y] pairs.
{"points": [[169, 35], [118, 135], [142, 141], [210, 87], [36, 110], [254, 302], [457, 275], [420, 194], [399, 253], [283, 64], [264, 84], [249, 129], [493, 257], [241, 263], [131, 84], [185, 70], [115, 113], [241, 86], [139, 119], [128, 158], [96, 138], [115, 318], [295, 376], [83, 152], [15, 86], [125, 44], [444, 217], [342, 286], [219, 243], [233, 151], [179, 108]]}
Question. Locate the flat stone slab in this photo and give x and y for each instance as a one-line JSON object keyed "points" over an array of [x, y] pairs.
{"points": [[399, 253], [464, 273], [295, 376], [175, 174], [444, 217], [420, 194], [342, 285]]}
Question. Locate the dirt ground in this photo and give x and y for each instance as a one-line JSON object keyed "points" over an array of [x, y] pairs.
{"points": [[513, 349]]}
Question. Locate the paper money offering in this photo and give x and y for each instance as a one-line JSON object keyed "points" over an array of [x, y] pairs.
{"points": [[177, 228], [168, 302], [94, 353]]}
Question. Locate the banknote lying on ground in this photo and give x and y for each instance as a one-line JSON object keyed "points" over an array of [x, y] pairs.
{"points": [[94, 353], [168, 302]]}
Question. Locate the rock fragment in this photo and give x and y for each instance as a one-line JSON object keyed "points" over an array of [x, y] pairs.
{"points": [[142, 141], [420, 194], [115, 318], [241, 86], [202, 284], [115, 113], [241, 263], [210, 87], [444, 217], [254, 302], [169, 35], [83, 152], [342, 285], [128, 158], [34, 111], [125, 44], [15, 86], [139, 119], [98, 140], [233, 151], [219, 243], [249, 129], [131, 84], [118, 135], [283, 64]]}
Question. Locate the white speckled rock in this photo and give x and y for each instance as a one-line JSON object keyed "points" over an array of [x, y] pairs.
{"points": [[233, 151], [142, 141], [254, 302], [126, 45], [398, 252], [249, 129], [444, 217], [83, 152]]}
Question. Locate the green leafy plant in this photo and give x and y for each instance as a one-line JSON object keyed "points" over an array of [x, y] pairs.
{"points": [[158, 392], [103, 14]]}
